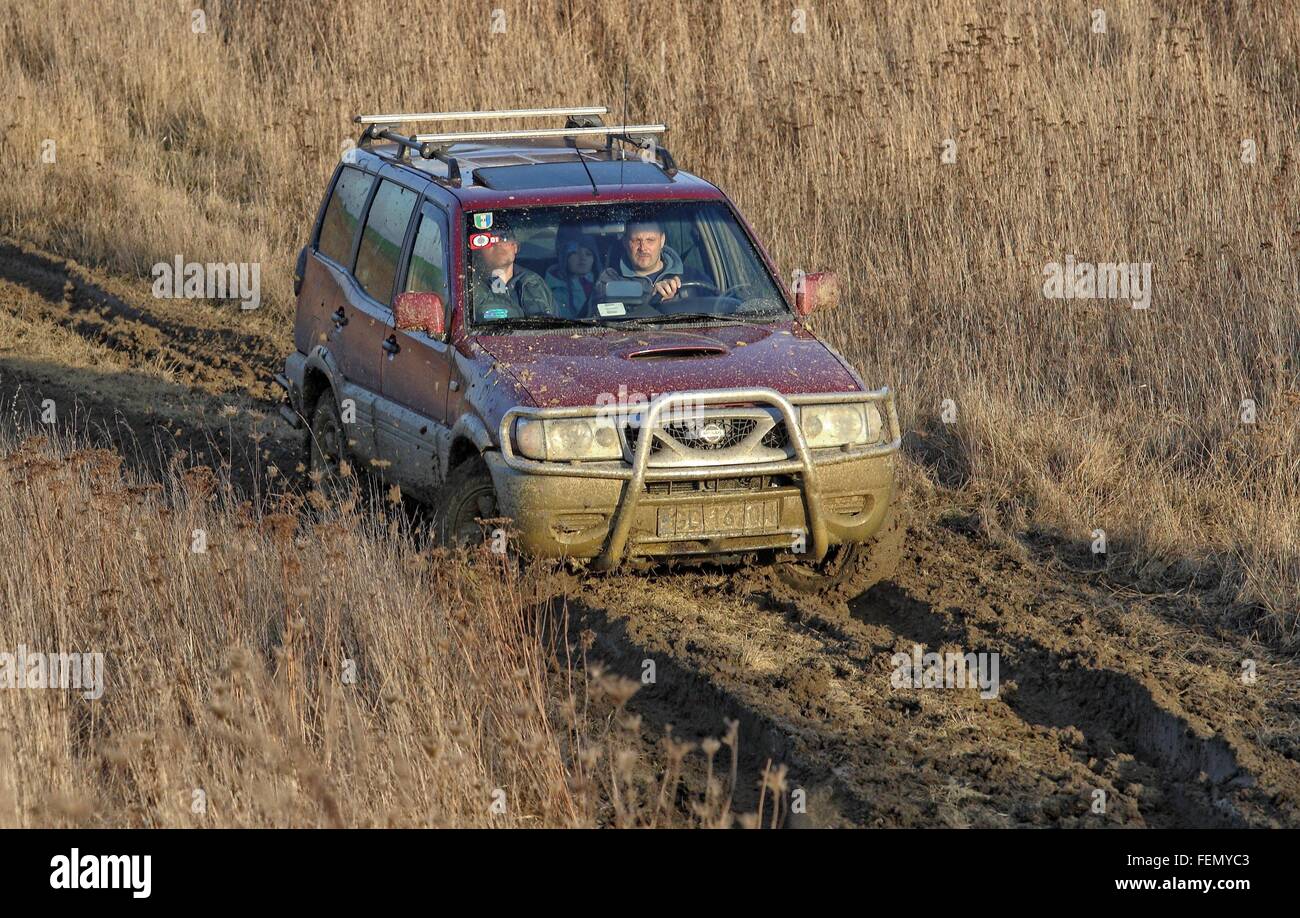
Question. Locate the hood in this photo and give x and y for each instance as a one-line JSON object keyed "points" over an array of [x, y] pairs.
{"points": [[564, 369]]}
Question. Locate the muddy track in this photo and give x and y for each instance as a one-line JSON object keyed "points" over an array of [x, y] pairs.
{"points": [[154, 376], [1102, 690], [1081, 709]]}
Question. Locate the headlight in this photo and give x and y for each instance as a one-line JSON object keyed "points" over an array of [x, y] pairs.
{"points": [[840, 425], [567, 439]]}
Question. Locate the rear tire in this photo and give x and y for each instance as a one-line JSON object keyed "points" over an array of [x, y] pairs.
{"points": [[327, 450], [851, 568]]}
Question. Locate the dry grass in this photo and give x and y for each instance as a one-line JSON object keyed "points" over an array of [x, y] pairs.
{"points": [[1071, 415], [298, 671]]}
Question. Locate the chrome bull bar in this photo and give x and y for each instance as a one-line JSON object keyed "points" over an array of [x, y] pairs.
{"points": [[639, 472]]}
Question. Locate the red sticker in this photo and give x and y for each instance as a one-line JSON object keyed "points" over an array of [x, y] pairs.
{"points": [[480, 241]]}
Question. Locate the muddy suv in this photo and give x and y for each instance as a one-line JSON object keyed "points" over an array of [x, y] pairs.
{"points": [[558, 328]]}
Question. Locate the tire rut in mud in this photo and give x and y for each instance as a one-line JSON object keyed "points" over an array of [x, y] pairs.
{"points": [[810, 683], [197, 378], [181, 335]]}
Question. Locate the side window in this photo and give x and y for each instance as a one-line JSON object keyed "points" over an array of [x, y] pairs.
{"points": [[343, 215], [381, 240], [428, 268]]}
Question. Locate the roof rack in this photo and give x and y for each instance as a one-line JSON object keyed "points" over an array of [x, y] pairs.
{"points": [[580, 122], [475, 116]]}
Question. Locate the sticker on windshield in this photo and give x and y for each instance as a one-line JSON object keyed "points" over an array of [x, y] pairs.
{"points": [[483, 221], [496, 313], [481, 240], [611, 309]]}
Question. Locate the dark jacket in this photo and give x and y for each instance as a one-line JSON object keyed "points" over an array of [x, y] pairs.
{"points": [[525, 294], [672, 267]]}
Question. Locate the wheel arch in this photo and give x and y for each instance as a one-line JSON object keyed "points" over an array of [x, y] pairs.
{"points": [[469, 437]]}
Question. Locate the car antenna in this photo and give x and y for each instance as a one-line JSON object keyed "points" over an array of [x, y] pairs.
{"points": [[623, 153], [595, 192]]}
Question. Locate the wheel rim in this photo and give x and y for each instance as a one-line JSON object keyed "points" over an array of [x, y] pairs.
{"points": [[481, 503]]}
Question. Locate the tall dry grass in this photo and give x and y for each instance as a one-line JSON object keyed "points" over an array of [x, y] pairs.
{"points": [[1123, 146], [270, 666]]}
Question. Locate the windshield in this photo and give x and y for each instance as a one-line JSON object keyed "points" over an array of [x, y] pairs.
{"points": [[640, 263]]}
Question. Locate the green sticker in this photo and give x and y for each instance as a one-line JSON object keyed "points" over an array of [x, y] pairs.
{"points": [[497, 313]]}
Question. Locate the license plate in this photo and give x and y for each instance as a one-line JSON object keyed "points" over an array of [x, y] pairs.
{"points": [[722, 518]]}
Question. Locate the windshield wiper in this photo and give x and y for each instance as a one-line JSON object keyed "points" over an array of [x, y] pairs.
{"points": [[684, 317], [546, 322]]}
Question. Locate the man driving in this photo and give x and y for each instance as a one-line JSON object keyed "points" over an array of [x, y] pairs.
{"points": [[645, 258], [503, 289]]}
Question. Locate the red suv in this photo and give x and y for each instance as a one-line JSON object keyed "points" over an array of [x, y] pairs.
{"points": [[560, 329]]}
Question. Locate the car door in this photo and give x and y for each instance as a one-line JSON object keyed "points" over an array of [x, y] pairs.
{"points": [[368, 303], [411, 417], [323, 319]]}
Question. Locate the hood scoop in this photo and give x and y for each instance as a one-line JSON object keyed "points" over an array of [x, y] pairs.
{"points": [[675, 351]]}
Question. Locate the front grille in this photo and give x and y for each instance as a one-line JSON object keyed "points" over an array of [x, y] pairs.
{"points": [[777, 438], [712, 434], [633, 436]]}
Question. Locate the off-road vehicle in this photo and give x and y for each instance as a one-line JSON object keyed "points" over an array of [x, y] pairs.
{"points": [[559, 328]]}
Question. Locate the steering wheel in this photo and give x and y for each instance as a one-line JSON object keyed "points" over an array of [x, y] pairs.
{"points": [[693, 284], [728, 294], [655, 297]]}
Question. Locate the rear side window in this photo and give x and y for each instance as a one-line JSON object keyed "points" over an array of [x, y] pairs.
{"points": [[343, 215], [381, 240], [428, 269]]}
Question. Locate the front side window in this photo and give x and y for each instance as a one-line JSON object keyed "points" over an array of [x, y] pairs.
{"points": [[427, 272], [338, 229], [381, 240], [650, 262]]}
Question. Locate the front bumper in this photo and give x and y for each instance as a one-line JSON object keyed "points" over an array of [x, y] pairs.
{"points": [[608, 511]]}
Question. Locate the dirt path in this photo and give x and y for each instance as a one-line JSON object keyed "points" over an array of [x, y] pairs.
{"points": [[1101, 690], [154, 376]]}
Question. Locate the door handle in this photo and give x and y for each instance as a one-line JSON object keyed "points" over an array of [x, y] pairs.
{"points": [[391, 345], [340, 318]]}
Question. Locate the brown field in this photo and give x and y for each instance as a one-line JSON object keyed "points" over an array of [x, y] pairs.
{"points": [[1070, 416]]}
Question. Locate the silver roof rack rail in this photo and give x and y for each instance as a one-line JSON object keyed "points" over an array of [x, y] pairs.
{"points": [[579, 122], [601, 131], [475, 116]]}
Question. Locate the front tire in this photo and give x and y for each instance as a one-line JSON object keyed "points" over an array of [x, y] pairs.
{"points": [[467, 496], [849, 569]]}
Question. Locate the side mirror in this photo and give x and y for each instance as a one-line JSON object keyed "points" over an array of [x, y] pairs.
{"points": [[420, 312], [819, 291]]}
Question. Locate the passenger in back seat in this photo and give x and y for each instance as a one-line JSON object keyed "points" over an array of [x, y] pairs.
{"points": [[573, 277]]}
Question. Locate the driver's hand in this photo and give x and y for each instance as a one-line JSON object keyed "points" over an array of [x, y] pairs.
{"points": [[668, 287]]}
